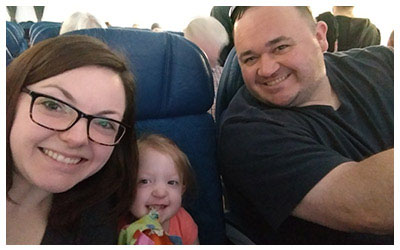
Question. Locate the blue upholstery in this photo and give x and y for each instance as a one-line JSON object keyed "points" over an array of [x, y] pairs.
{"points": [[179, 33], [15, 41], [26, 26], [174, 92], [43, 30], [230, 82]]}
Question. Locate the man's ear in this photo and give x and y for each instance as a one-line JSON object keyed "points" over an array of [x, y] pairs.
{"points": [[321, 30]]}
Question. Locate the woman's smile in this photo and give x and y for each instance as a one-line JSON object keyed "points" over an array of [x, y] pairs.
{"points": [[60, 157]]}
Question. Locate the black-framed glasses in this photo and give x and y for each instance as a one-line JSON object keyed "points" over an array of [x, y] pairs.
{"points": [[54, 114]]}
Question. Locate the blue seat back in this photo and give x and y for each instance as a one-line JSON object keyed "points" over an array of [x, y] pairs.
{"points": [[179, 33], [26, 26], [230, 82], [43, 30], [15, 42], [174, 92]]}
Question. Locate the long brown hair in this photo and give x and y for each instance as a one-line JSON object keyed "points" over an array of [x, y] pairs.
{"points": [[115, 180]]}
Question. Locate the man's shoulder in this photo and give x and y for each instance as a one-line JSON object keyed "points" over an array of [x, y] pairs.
{"points": [[237, 104], [242, 106], [372, 51], [356, 52], [379, 56]]}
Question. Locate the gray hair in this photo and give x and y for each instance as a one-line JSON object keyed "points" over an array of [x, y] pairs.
{"points": [[78, 21], [207, 28]]}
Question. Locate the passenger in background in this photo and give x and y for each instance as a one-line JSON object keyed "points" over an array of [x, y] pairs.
{"points": [[71, 151], [354, 32], [164, 176], [333, 30], [78, 21], [306, 152], [156, 27], [210, 36], [221, 13], [391, 40]]}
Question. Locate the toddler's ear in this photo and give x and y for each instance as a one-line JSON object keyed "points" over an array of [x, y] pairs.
{"points": [[183, 188]]}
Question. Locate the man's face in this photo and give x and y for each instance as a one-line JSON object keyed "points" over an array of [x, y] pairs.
{"points": [[280, 55]]}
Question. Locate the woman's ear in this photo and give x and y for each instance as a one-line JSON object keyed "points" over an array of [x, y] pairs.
{"points": [[320, 34]]}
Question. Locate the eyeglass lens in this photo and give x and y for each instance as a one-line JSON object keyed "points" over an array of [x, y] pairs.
{"points": [[59, 116]]}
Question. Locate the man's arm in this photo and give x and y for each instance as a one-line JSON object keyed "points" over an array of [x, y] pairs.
{"points": [[354, 197]]}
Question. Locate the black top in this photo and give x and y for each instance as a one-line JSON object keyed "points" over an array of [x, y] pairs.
{"points": [[272, 157], [96, 228], [356, 33]]}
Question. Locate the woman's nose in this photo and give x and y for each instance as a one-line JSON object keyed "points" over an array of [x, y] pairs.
{"points": [[76, 135]]}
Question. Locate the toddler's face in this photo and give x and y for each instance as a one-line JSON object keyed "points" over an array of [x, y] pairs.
{"points": [[159, 186]]}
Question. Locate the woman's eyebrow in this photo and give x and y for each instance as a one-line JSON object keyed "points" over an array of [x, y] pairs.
{"points": [[72, 99], [108, 112], [63, 91]]}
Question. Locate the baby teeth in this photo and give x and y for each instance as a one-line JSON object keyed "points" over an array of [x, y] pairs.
{"points": [[157, 207], [60, 158]]}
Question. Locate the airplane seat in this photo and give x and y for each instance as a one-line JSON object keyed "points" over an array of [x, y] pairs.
{"points": [[174, 87], [43, 30], [15, 41], [179, 33], [230, 82], [26, 26]]}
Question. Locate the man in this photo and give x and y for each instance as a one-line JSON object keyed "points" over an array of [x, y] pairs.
{"points": [[306, 146]]}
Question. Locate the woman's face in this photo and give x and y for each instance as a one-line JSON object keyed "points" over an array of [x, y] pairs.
{"points": [[56, 161]]}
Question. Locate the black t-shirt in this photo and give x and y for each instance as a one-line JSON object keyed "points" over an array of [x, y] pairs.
{"points": [[96, 228], [272, 157]]}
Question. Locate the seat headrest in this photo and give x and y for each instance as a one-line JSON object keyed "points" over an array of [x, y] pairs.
{"points": [[15, 41], [43, 30], [173, 77], [36, 27], [230, 82]]}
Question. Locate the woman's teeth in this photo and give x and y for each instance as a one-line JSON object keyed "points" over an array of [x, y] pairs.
{"points": [[60, 158]]}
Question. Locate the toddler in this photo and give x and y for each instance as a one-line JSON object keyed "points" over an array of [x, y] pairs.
{"points": [[164, 175]]}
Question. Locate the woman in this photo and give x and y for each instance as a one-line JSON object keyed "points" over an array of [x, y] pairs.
{"points": [[70, 143]]}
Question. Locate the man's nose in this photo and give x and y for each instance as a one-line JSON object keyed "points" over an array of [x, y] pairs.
{"points": [[267, 66]]}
